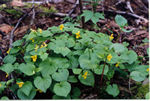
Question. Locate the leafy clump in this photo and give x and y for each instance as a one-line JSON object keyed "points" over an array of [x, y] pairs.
{"points": [[53, 59]]}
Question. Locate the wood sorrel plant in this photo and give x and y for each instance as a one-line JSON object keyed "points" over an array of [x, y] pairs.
{"points": [[55, 58]]}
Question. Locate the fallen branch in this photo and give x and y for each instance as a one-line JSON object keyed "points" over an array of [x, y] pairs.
{"points": [[129, 7], [33, 16], [126, 13], [19, 21], [63, 14]]}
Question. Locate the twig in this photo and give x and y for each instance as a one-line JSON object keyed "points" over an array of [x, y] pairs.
{"points": [[63, 14], [19, 21], [73, 9], [102, 75], [81, 11], [33, 11], [129, 7], [125, 13]]}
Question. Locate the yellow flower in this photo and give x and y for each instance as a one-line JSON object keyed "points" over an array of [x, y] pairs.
{"points": [[32, 39], [0, 85], [85, 75], [20, 84], [109, 57], [8, 51], [61, 27], [40, 30], [32, 30], [34, 58], [43, 45], [111, 37], [147, 69], [7, 75], [39, 90], [78, 34], [36, 47], [117, 65]]}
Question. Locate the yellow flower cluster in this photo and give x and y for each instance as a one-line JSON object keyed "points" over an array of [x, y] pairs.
{"points": [[61, 27], [111, 37], [147, 69], [8, 51], [32, 39], [36, 48], [0, 85], [78, 34], [109, 57], [32, 30], [117, 65], [43, 45], [20, 84], [34, 58], [7, 75], [85, 75], [40, 30]]}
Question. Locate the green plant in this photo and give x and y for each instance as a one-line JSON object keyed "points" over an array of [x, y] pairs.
{"points": [[90, 15], [55, 58], [122, 22]]}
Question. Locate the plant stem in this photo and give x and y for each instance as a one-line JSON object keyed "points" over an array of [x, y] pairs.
{"points": [[81, 11], [102, 75]]}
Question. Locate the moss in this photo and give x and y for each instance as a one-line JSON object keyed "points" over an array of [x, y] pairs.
{"points": [[142, 91], [14, 12]]}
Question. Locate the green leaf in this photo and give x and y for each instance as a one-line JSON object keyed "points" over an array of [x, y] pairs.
{"points": [[137, 76], [22, 96], [46, 33], [48, 67], [30, 47], [72, 79], [60, 97], [59, 47], [88, 60], [77, 71], [119, 48], [87, 14], [17, 43], [147, 96], [73, 60], [112, 90], [99, 70], [95, 19], [62, 63], [43, 56], [76, 93], [120, 20], [110, 74], [62, 89], [129, 56], [4, 98], [42, 83], [89, 81], [9, 59], [2, 87], [28, 69], [61, 75], [99, 15], [26, 88], [14, 50], [8, 68]]}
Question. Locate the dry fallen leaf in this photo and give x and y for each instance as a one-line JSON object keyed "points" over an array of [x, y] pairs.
{"points": [[5, 28], [17, 3]]}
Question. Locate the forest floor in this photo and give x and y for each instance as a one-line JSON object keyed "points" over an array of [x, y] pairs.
{"points": [[47, 15]]}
